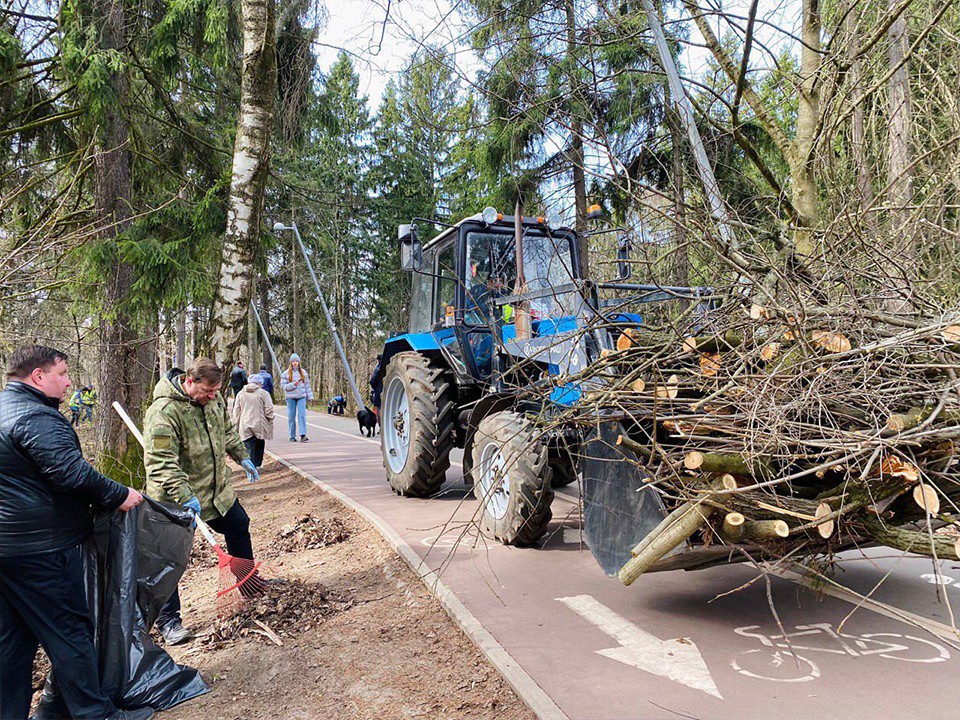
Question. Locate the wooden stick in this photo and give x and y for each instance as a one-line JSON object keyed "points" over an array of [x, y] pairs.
{"points": [[730, 463]]}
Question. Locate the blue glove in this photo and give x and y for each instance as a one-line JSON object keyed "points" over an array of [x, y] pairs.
{"points": [[193, 505], [252, 474]]}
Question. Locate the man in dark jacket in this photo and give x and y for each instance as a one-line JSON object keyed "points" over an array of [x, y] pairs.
{"points": [[46, 493], [238, 378], [267, 383]]}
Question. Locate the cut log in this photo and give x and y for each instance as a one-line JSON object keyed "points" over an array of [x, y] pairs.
{"points": [[673, 531], [726, 463], [732, 528], [760, 530], [713, 343], [638, 385], [927, 498], [831, 342], [951, 334], [913, 541], [710, 364], [625, 341], [899, 422], [641, 451], [827, 527], [758, 312], [668, 390], [769, 351]]}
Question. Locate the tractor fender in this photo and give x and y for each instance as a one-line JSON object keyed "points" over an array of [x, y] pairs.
{"points": [[487, 405]]}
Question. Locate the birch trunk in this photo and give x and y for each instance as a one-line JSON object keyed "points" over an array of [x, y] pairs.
{"points": [[251, 165]]}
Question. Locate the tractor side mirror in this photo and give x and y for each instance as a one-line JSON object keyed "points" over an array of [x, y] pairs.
{"points": [[624, 267], [411, 251]]}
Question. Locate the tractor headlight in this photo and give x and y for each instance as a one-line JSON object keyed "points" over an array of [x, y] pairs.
{"points": [[490, 215], [554, 221]]}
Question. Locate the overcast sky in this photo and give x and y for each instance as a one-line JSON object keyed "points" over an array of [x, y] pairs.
{"points": [[381, 46]]}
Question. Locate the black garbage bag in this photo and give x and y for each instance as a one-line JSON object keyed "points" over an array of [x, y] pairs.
{"points": [[134, 563]]}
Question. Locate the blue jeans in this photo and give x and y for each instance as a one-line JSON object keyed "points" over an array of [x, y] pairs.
{"points": [[297, 412]]}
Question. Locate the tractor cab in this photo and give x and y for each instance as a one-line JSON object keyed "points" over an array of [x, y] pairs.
{"points": [[464, 284]]}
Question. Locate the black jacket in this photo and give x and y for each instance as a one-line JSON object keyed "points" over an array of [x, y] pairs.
{"points": [[46, 487], [238, 378]]}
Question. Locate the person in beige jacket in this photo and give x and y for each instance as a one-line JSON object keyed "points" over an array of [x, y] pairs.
{"points": [[253, 416]]}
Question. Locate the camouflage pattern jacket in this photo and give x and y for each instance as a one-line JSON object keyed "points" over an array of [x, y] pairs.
{"points": [[186, 449]]}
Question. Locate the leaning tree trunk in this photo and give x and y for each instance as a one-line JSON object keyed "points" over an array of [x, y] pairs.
{"points": [[125, 360], [251, 166]]}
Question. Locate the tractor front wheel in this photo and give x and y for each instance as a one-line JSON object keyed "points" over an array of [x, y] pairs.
{"points": [[512, 478], [416, 424]]}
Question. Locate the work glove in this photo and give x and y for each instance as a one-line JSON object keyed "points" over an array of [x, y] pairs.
{"points": [[193, 505], [252, 474]]}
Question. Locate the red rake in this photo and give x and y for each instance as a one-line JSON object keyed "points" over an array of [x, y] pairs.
{"points": [[239, 577]]}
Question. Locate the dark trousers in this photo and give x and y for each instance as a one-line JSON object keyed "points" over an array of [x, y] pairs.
{"points": [[235, 527], [42, 600], [255, 448]]}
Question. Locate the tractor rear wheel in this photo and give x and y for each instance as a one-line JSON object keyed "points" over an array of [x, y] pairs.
{"points": [[416, 424], [512, 478]]}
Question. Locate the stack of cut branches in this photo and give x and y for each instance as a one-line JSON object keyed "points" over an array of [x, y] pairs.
{"points": [[783, 436]]}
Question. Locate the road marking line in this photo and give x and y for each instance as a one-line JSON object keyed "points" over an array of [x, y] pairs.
{"points": [[678, 660], [525, 686]]}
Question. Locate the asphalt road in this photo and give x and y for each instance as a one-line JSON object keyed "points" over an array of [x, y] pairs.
{"points": [[703, 644]]}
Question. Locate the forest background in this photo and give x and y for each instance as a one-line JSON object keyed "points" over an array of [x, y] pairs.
{"points": [[148, 146]]}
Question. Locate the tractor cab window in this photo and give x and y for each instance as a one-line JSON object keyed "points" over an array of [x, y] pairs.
{"points": [[446, 279], [421, 300], [492, 272]]}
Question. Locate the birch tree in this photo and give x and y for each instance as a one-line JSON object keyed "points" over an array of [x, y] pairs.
{"points": [[251, 167]]}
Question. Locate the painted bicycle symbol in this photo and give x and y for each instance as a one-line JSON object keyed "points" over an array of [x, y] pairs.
{"points": [[782, 661]]}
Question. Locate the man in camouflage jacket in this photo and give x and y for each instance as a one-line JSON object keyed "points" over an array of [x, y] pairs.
{"points": [[188, 434]]}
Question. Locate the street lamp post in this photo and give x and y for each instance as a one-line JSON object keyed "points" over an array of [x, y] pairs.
{"points": [[280, 227]]}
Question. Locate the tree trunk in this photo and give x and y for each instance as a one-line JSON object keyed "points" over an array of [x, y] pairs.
{"points": [[181, 359], [125, 363], [251, 164], [680, 263], [805, 198], [900, 157], [858, 132]]}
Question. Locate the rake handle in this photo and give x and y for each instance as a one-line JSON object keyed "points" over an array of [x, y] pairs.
{"points": [[135, 431]]}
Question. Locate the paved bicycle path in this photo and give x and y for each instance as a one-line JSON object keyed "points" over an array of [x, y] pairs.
{"points": [[677, 644]]}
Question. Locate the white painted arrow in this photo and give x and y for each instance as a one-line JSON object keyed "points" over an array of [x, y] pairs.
{"points": [[678, 660]]}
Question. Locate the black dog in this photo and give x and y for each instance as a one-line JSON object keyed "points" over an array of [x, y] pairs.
{"points": [[367, 420]]}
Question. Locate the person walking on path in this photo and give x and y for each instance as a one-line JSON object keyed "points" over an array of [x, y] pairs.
{"points": [[76, 407], [296, 386], [238, 378], [266, 380], [188, 434], [47, 491], [253, 416]]}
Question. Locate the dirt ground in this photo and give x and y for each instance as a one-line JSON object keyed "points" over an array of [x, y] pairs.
{"points": [[361, 636]]}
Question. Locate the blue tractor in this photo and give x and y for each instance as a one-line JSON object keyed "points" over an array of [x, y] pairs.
{"points": [[461, 377]]}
